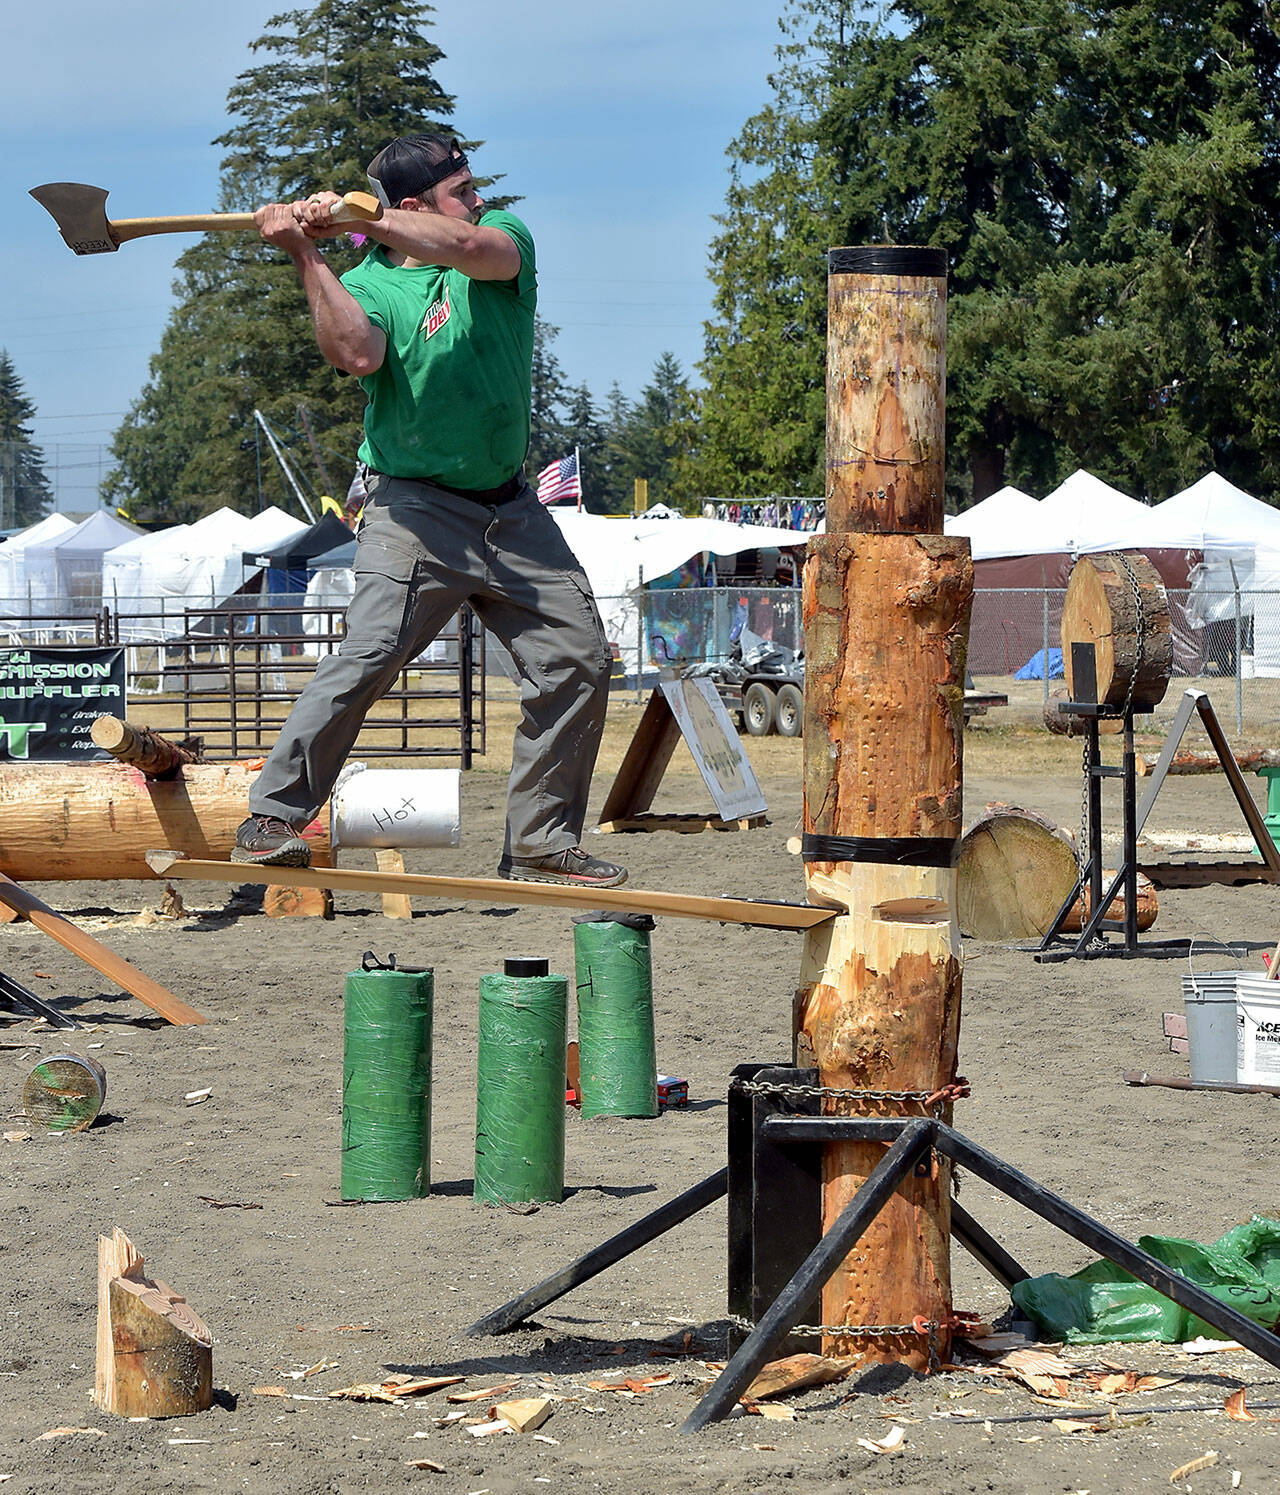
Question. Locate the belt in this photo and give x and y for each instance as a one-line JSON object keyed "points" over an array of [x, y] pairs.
{"points": [[502, 494]]}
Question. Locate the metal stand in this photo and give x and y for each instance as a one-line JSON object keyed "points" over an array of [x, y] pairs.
{"points": [[16, 999], [1090, 945], [786, 1148]]}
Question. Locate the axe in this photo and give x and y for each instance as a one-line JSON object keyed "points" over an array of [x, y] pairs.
{"points": [[81, 215]]}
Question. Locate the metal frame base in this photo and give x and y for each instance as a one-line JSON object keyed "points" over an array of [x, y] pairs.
{"points": [[911, 1141]]}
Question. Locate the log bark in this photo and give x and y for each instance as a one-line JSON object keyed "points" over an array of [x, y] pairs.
{"points": [[886, 390], [150, 753], [155, 1356], [886, 609], [1130, 633], [98, 820]]}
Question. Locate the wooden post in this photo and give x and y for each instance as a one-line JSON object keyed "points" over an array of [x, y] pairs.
{"points": [[886, 612]]}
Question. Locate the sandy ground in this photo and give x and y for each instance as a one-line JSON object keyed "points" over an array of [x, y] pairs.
{"points": [[1043, 1046]]}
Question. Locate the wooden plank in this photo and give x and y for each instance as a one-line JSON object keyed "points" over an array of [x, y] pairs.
{"points": [[644, 762], [71, 937], [757, 913]]}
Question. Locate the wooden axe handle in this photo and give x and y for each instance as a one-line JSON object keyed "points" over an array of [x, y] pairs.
{"points": [[355, 207]]}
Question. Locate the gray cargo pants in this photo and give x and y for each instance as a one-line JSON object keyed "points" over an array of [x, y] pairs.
{"points": [[422, 552]]}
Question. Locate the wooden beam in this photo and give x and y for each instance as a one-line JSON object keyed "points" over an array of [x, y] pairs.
{"points": [[757, 913], [71, 937]]}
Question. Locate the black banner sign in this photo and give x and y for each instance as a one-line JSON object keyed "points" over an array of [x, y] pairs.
{"points": [[49, 698]]}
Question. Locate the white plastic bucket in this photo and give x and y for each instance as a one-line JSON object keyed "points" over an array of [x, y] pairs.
{"points": [[398, 807], [1233, 1027]]}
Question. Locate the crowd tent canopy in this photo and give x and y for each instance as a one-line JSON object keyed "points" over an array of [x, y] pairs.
{"points": [[13, 561], [65, 571]]}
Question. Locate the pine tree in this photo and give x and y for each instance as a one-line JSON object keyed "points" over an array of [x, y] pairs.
{"points": [[25, 495], [342, 78]]}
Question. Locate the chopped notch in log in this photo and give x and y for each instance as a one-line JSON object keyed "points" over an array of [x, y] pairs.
{"points": [[155, 1356], [147, 751]]}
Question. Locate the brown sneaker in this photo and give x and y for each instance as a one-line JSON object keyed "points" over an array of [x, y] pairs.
{"points": [[270, 842], [572, 867]]}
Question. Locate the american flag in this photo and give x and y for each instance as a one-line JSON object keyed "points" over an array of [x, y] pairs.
{"points": [[559, 479]]}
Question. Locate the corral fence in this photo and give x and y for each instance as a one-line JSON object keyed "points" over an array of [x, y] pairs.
{"points": [[1225, 643], [230, 675]]}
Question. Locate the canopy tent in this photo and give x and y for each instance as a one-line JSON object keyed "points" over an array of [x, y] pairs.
{"points": [[66, 570], [13, 560], [1009, 522]]}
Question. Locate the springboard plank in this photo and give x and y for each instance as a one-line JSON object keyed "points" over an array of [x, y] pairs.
{"points": [[762, 914], [105, 961]]}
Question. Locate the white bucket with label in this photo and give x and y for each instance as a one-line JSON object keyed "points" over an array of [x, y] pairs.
{"points": [[1233, 1027]]}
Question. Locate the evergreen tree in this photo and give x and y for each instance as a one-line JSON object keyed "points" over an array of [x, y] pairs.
{"points": [[342, 78], [25, 495], [1102, 175]]}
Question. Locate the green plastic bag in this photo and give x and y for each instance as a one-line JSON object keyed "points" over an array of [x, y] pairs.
{"points": [[1104, 1304]]}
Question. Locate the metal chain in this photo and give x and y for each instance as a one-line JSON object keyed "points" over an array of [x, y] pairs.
{"points": [[936, 1098], [930, 1332]]}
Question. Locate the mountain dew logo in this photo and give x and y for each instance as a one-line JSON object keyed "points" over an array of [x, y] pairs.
{"points": [[14, 736]]}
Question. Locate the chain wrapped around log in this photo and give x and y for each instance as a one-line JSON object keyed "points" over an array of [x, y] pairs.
{"points": [[146, 750]]}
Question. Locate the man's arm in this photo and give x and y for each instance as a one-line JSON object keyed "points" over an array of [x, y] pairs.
{"points": [[427, 237], [345, 335]]}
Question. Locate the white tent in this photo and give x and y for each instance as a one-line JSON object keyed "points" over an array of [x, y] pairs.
{"points": [[1090, 515], [1008, 523], [13, 560], [1214, 513], [66, 570]]}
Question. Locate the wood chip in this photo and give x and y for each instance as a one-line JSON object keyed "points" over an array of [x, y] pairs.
{"points": [[797, 1373], [525, 1414], [1193, 1466], [481, 1393], [890, 1443]]}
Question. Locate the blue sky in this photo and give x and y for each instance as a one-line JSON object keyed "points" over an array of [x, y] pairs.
{"points": [[611, 122]]}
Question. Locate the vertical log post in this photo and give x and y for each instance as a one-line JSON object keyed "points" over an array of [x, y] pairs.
{"points": [[886, 616]]}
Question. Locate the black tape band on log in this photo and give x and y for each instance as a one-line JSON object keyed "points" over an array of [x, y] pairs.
{"points": [[887, 259], [898, 851]]}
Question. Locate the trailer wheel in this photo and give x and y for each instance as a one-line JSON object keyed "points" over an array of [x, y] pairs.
{"points": [[789, 716], [757, 710]]}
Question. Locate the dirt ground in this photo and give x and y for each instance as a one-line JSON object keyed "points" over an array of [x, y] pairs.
{"points": [[282, 1285]]}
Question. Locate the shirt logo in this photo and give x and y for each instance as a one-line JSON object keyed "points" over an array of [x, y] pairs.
{"points": [[437, 315]]}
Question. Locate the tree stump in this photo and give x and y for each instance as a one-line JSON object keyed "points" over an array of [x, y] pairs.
{"points": [[1117, 602], [155, 1356]]}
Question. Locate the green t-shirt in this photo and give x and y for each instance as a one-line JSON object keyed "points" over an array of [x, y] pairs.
{"points": [[451, 400]]}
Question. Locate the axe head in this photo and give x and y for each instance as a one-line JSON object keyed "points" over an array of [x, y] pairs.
{"points": [[81, 215]]}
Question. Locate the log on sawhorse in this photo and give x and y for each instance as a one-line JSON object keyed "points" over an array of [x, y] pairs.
{"points": [[758, 913], [71, 937]]}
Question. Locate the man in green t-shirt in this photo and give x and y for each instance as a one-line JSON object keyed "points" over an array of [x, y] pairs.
{"points": [[437, 325]]}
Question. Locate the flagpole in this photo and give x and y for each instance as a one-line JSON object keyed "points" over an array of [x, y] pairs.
{"points": [[577, 462]]}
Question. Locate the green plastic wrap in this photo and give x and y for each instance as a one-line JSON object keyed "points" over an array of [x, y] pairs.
{"points": [[619, 1072], [520, 1089], [386, 1085], [1104, 1304]]}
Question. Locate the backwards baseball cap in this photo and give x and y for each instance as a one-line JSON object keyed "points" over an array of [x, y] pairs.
{"points": [[411, 165]]}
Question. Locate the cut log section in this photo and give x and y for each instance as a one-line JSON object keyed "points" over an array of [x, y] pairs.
{"points": [[1015, 870], [64, 1093], [146, 750], [155, 1356], [1117, 602]]}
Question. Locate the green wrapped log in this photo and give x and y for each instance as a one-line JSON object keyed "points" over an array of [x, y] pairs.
{"points": [[386, 1084], [616, 1052], [520, 1085]]}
